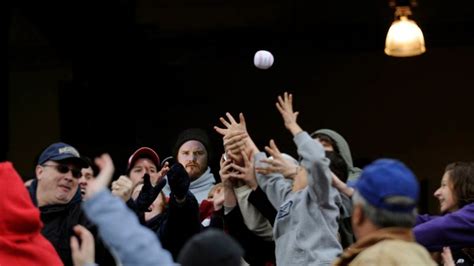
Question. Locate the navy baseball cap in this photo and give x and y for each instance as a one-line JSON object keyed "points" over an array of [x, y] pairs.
{"points": [[387, 178], [61, 151]]}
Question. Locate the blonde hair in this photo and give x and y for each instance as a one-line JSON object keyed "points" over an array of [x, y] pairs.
{"points": [[213, 189]]}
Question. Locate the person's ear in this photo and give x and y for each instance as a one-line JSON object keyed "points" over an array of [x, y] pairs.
{"points": [[357, 215], [39, 171]]}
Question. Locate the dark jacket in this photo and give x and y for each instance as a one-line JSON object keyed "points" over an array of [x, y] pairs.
{"points": [[257, 250], [59, 219], [176, 224], [259, 199]]}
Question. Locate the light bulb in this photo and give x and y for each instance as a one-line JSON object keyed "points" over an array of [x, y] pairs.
{"points": [[404, 38]]}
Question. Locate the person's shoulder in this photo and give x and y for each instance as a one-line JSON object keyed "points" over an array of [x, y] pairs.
{"points": [[395, 252]]}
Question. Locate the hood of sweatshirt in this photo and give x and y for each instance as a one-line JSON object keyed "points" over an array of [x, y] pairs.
{"points": [[344, 151], [21, 242]]}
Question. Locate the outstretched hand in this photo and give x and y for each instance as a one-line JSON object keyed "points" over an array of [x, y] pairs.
{"points": [[278, 163], [236, 137], [102, 181], [231, 125], [285, 107]]}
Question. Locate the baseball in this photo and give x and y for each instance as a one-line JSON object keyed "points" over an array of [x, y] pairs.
{"points": [[263, 59]]}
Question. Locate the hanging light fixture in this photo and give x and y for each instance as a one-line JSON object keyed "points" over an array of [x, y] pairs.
{"points": [[404, 38]]}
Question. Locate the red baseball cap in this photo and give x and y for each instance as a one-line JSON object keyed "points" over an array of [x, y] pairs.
{"points": [[144, 152]]}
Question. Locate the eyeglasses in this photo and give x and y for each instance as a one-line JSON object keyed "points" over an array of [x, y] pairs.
{"points": [[64, 169]]}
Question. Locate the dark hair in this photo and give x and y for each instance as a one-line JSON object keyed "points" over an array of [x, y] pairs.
{"points": [[461, 176], [326, 138], [95, 169], [338, 166]]}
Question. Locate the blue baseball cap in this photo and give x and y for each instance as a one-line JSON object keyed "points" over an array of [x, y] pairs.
{"points": [[387, 178], [61, 151]]}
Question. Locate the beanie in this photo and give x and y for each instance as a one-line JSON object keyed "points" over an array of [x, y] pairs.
{"points": [[193, 134]]}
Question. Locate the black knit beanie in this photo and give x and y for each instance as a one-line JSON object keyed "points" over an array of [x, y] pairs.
{"points": [[193, 134]]}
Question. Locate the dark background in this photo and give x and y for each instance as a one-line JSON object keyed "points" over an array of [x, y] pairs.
{"points": [[116, 75]]}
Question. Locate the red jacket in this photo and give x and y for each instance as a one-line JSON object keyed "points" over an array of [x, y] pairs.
{"points": [[21, 241]]}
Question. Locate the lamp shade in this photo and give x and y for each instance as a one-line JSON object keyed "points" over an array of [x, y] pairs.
{"points": [[404, 38]]}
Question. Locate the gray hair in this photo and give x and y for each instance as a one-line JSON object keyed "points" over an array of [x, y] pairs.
{"points": [[386, 218]]}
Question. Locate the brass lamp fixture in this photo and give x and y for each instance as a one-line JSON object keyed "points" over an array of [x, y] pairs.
{"points": [[404, 38]]}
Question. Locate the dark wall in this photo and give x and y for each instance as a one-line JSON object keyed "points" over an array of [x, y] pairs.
{"points": [[133, 79]]}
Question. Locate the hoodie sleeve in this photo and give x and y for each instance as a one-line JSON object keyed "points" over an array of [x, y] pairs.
{"points": [[274, 185], [120, 230], [453, 229], [319, 175]]}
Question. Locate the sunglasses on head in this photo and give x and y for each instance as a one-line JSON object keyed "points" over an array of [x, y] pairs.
{"points": [[64, 169]]}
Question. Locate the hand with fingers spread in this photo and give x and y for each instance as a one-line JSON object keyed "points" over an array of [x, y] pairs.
{"points": [[247, 171], [102, 181], [285, 107], [236, 137], [231, 125], [122, 188], [278, 164], [83, 253], [148, 193]]}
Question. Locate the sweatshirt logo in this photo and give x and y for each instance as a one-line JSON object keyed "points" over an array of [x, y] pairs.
{"points": [[284, 209]]}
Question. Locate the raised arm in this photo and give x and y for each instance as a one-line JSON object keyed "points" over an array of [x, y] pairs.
{"points": [[312, 153], [285, 107]]}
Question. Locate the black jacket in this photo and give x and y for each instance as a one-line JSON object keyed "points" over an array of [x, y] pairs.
{"points": [[178, 223], [257, 250], [59, 219]]}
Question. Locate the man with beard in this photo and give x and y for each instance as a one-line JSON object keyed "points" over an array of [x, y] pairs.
{"points": [[193, 151]]}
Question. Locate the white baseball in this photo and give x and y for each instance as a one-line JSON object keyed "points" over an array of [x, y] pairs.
{"points": [[263, 59]]}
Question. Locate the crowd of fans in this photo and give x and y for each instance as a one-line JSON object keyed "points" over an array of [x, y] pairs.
{"points": [[267, 209]]}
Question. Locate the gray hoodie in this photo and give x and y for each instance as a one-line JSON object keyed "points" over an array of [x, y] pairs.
{"points": [[121, 231], [344, 150], [306, 226]]}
